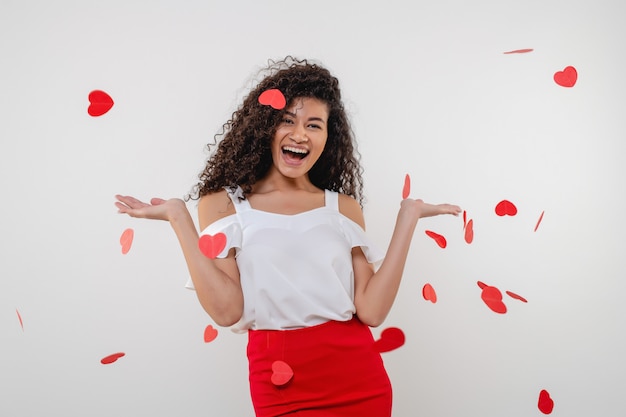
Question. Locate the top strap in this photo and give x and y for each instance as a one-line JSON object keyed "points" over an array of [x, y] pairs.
{"points": [[235, 196], [332, 199]]}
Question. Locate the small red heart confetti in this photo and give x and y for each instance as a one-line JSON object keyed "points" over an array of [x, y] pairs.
{"points": [[126, 240], [545, 403], [210, 333], [469, 231], [464, 219], [493, 298], [273, 98], [520, 51], [429, 294], [19, 317], [211, 246], [99, 103], [281, 373], [111, 358], [406, 190], [539, 221], [391, 338], [506, 208], [441, 241], [516, 296], [567, 77]]}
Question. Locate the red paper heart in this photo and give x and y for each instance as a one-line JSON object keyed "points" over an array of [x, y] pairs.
{"points": [[391, 338], [281, 373], [111, 358], [210, 333], [126, 240], [567, 77], [520, 51], [469, 231], [516, 296], [99, 103], [406, 190], [441, 241], [211, 246], [19, 317], [539, 221], [493, 298], [545, 403], [506, 208], [273, 98], [429, 294]]}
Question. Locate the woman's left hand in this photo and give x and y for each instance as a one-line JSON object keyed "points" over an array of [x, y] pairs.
{"points": [[421, 209]]}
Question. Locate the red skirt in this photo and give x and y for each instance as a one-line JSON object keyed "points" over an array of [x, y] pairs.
{"points": [[336, 372]]}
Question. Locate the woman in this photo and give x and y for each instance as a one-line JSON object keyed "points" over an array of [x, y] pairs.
{"points": [[296, 272]]}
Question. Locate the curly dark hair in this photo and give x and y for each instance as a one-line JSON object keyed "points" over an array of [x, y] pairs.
{"points": [[243, 155]]}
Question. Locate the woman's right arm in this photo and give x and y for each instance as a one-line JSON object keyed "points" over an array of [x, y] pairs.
{"points": [[216, 281]]}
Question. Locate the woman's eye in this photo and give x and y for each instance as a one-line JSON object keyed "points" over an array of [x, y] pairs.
{"points": [[315, 126], [287, 121]]}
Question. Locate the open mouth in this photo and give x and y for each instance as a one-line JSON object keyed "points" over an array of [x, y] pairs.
{"points": [[295, 153]]}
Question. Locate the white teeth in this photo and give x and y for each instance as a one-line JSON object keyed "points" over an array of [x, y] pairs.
{"points": [[295, 150]]}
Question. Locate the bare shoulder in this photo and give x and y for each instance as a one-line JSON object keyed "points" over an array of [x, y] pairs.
{"points": [[351, 208], [213, 207]]}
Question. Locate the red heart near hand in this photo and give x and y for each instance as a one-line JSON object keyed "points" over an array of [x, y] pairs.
{"points": [[506, 208], [99, 103], [469, 231], [441, 241], [390, 339], [429, 294], [273, 98], [111, 358], [126, 240], [211, 246], [406, 190], [567, 77], [210, 333], [281, 373], [545, 404]]}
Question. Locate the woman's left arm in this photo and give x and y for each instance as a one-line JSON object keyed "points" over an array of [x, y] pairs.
{"points": [[375, 292]]}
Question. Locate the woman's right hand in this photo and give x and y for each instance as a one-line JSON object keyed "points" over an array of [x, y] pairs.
{"points": [[157, 209]]}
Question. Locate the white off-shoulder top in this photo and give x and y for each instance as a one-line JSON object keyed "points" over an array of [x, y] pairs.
{"points": [[296, 270]]}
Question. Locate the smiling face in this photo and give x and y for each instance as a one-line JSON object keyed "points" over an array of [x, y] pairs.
{"points": [[300, 137]]}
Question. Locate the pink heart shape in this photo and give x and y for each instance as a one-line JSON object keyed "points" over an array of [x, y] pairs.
{"points": [[429, 294], [406, 190], [211, 246], [390, 339], [99, 103], [567, 77], [210, 333], [126, 240], [273, 98], [493, 298], [281, 373]]}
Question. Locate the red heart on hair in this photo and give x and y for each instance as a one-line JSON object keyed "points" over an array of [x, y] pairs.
{"points": [[567, 77], [211, 246], [273, 98], [210, 333], [545, 403], [390, 339], [99, 103], [281, 373], [506, 208]]}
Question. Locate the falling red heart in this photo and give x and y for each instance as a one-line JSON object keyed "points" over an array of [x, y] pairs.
{"points": [[406, 190], [281, 373], [520, 51], [469, 231], [545, 403], [567, 77], [506, 208], [19, 317], [516, 296], [441, 241], [273, 98], [111, 358], [211, 246], [493, 298], [429, 294], [126, 240], [210, 333], [99, 103], [391, 338], [464, 219], [539, 221]]}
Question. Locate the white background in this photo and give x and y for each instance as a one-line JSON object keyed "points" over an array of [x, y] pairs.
{"points": [[431, 94]]}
